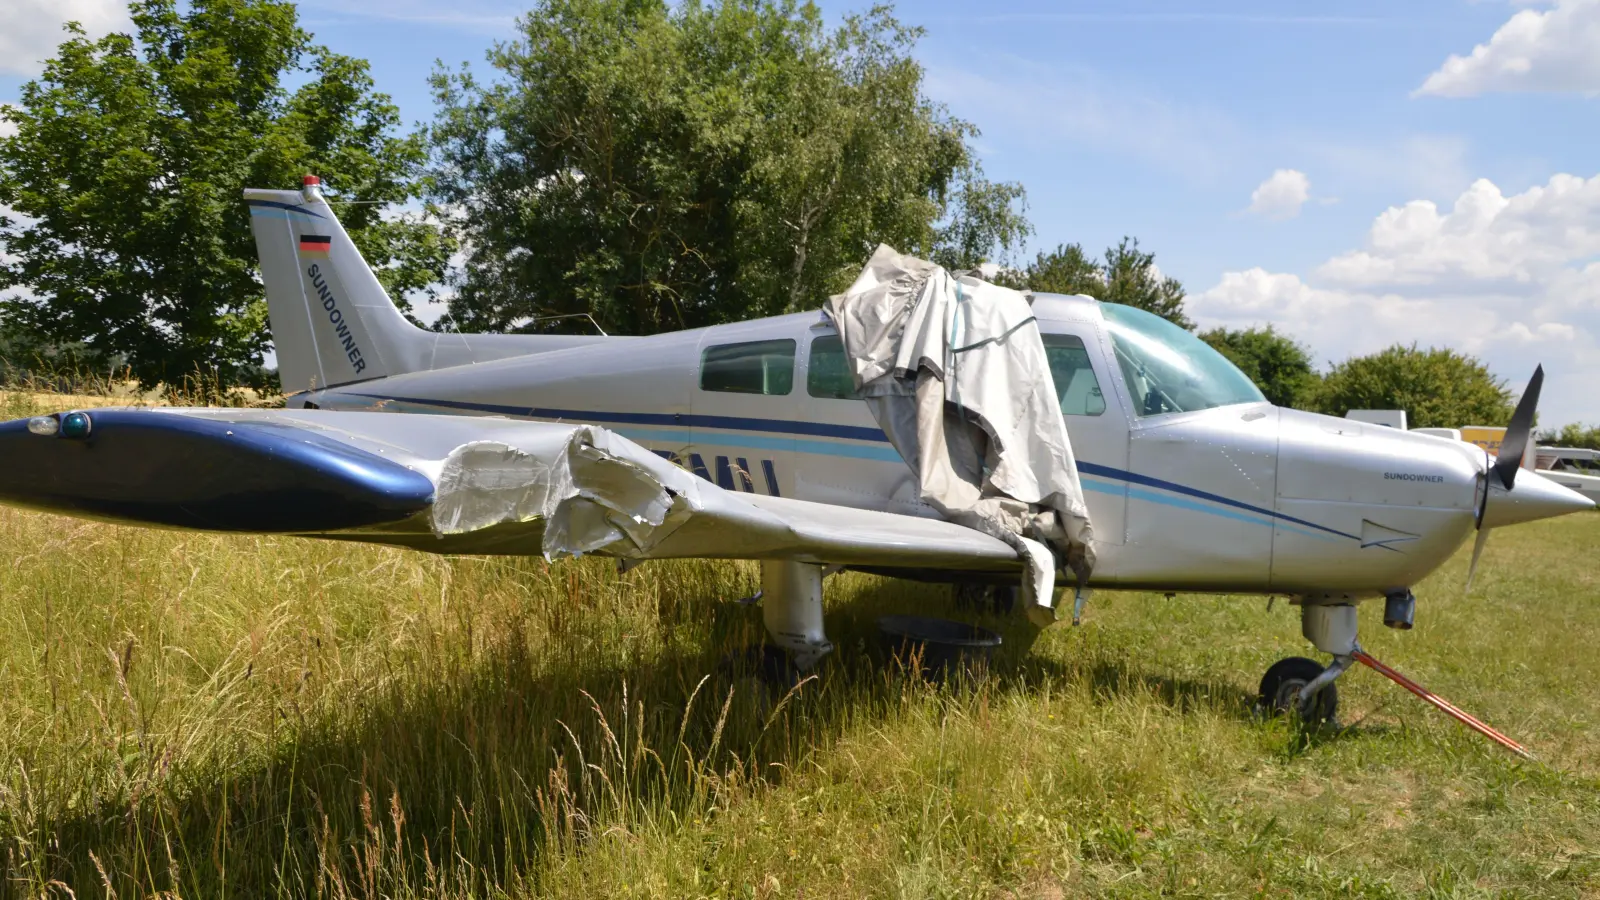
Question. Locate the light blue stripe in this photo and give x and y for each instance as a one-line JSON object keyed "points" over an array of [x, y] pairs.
{"points": [[685, 437], [1104, 487], [1196, 506], [699, 437]]}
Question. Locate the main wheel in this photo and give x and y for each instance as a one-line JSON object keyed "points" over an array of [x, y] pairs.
{"points": [[761, 675], [985, 598], [1281, 687], [763, 663]]}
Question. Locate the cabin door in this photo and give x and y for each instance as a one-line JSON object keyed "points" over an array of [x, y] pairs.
{"points": [[1096, 421]]}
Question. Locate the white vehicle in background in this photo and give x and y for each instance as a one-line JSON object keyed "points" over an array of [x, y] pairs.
{"points": [[1388, 418], [1571, 467]]}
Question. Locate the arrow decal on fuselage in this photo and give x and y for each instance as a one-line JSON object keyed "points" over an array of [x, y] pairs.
{"points": [[1375, 535]]}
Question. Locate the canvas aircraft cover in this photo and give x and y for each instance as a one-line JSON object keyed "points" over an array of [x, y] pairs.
{"points": [[955, 372]]}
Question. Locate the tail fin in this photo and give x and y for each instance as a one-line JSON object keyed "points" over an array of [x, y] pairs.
{"points": [[332, 321]]}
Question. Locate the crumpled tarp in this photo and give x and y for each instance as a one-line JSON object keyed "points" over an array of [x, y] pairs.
{"points": [[955, 372], [592, 493]]}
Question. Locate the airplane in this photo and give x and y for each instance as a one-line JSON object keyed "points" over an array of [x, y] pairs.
{"points": [[750, 441]]}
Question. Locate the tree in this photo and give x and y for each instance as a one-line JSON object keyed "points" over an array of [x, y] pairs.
{"points": [[1574, 434], [1132, 279], [129, 234], [666, 165], [1064, 270], [1437, 388], [1278, 365], [1128, 276]]}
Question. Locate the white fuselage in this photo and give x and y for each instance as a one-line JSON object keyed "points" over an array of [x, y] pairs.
{"points": [[1240, 498]]}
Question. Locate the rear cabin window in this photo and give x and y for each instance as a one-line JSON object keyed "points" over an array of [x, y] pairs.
{"points": [[1076, 385], [752, 367], [828, 374]]}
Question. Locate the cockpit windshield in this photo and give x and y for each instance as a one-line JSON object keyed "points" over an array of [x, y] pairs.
{"points": [[1170, 370]]}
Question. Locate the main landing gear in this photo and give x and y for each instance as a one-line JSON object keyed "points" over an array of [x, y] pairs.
{"points": [[791, 610]]}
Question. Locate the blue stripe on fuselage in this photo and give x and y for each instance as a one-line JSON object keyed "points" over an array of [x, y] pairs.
{"points": [[690, 430], [274, 208], [771, 426]]}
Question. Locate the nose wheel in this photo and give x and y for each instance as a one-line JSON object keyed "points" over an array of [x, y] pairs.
{"points": [[1283, 691]]}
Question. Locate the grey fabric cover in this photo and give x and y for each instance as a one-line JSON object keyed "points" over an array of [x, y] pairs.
{"points": [[955, 372]]}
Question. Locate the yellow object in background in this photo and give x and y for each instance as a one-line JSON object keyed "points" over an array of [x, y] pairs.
{"points": [[1484, 436]]}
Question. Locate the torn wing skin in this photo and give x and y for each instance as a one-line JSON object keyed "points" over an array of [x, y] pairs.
{"points": [[446, 484]]}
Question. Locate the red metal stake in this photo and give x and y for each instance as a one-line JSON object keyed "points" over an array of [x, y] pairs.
{"points": [[1444, 705]]}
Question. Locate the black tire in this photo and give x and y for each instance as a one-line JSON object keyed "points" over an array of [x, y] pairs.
{"points": [[1280, 690], [763, 663], [985, 598]]}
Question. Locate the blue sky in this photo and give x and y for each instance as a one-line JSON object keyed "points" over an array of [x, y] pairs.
{"points": [[1421, 171]]}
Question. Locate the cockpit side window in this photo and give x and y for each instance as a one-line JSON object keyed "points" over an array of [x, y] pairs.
{"points": [[1076, 384], [750, 367], [1168, 369], [828, 372]]}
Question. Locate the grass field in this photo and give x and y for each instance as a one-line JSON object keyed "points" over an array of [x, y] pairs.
{"points": [[236, 717]]}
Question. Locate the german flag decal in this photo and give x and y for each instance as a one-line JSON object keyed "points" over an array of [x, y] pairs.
{"points": [[314, 244]]}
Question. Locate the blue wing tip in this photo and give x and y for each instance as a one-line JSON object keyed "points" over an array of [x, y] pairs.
{"points": [[192, 472]]}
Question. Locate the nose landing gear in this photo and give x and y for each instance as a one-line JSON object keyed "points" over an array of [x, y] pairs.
{"points": [[1302, 685], [1284, 690]]}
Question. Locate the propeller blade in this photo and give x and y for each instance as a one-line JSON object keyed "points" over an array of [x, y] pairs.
{"points": [[1515, 443], [1477, 550]]}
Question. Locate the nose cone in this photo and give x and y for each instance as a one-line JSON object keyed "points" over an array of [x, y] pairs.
{"points": [[1531, 498]]}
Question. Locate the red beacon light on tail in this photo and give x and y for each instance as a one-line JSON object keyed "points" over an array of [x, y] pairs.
{"points": [[311, 187]]}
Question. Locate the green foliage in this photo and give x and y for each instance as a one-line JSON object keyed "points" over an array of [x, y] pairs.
{"points": [[128, 234], [1278, 364], [1064, 270], [1575, 434], [1437, 388], [675, 165], [1127, 275]]}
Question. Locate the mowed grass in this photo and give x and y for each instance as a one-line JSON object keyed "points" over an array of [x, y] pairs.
{"points": [[215, 716]]}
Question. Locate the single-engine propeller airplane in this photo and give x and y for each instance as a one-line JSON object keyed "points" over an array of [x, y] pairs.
{"points": [[753, 441]]}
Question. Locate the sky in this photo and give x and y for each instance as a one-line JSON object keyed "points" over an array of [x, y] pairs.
{"points": [[1356, 174]]}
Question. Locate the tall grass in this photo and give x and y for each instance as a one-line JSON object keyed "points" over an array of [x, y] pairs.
{"points": [[205, 716]]}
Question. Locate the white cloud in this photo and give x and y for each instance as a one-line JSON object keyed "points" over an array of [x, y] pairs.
{"points": [[1536, 50], [1037, 105], [30, 30], [1513, 279], [1281, 195], [1415, 165], [7, 128], [1488, 239]]}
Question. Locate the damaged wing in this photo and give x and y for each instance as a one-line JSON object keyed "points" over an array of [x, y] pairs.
{"points": [[444, 484]]}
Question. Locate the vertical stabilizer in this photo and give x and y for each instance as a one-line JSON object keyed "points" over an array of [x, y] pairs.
{"points": [[332, 321]]}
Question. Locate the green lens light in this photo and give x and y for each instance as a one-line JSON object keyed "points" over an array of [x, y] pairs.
{"points": [[75, 425]]}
